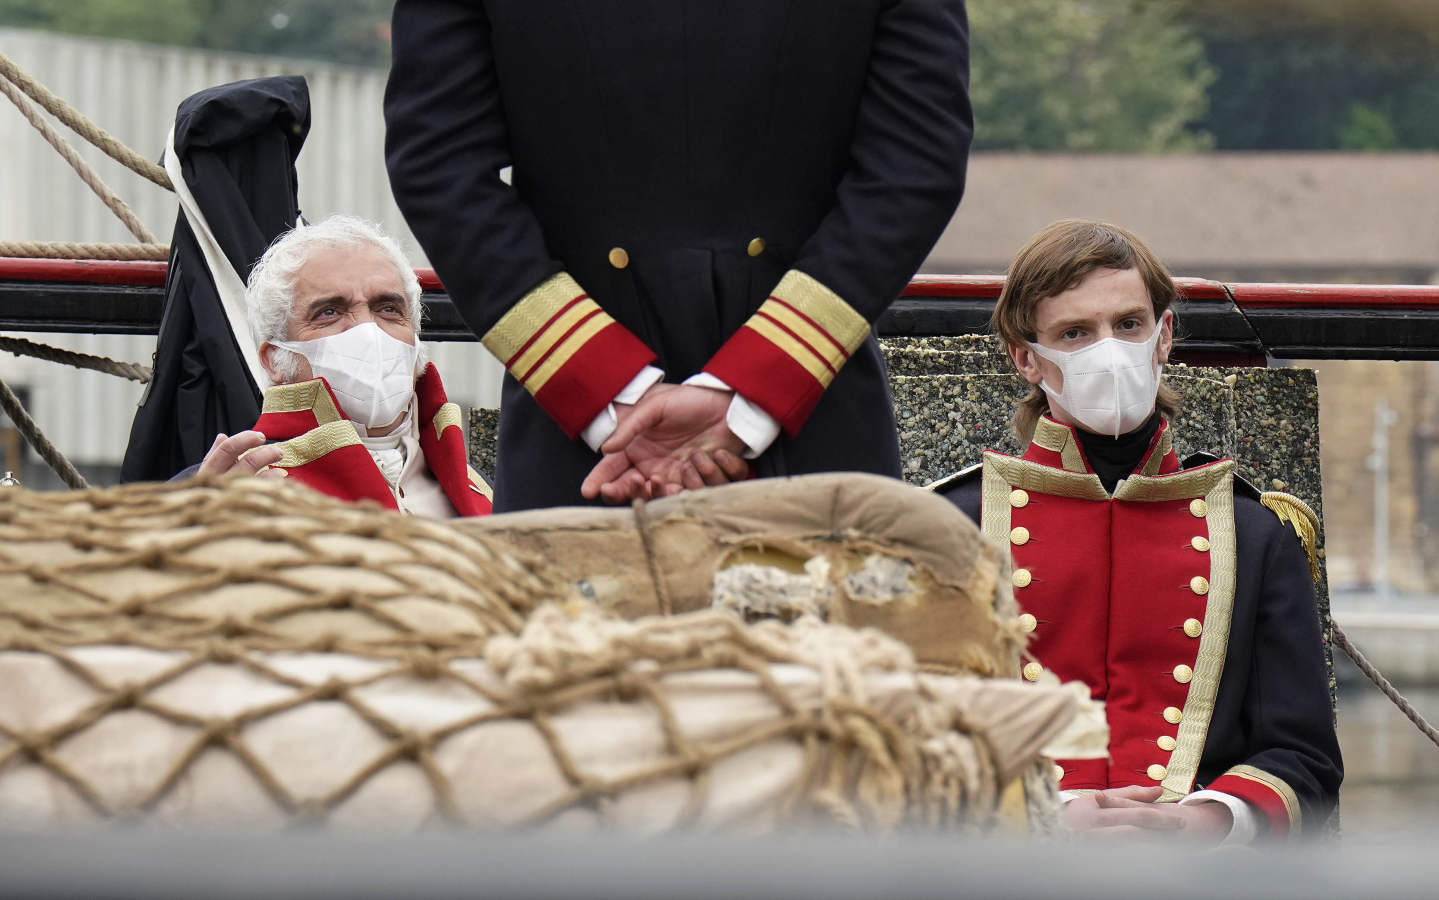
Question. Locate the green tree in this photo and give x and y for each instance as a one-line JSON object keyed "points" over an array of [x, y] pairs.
{"points": [[1312, 75], [1116, 75]]}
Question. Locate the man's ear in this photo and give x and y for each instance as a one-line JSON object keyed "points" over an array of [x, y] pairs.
{"points": [[1166, 336], [267, 359], [1026, 362]]}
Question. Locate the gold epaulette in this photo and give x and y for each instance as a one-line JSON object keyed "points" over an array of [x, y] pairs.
{"points": [[1297, 515]]}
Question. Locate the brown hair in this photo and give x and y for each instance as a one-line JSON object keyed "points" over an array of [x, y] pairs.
{"points": [[1057, 259]]}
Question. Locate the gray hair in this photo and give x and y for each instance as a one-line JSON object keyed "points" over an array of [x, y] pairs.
{"points": [[270, 294]]}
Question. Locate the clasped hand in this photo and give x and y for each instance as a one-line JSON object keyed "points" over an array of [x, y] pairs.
{"points": [[1135, 813], [675, 438]]}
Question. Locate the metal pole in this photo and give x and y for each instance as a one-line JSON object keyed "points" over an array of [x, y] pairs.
{"points": [[1378, 461]]}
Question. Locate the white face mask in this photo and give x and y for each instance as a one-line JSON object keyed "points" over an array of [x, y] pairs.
{"points": [[1109, 386], [371, 373]]}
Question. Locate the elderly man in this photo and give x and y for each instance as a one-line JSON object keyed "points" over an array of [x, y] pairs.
{"points": [[1182, 601], [355, 411]]}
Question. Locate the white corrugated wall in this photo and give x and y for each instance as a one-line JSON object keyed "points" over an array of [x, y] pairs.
{"points": [[132, 90]]}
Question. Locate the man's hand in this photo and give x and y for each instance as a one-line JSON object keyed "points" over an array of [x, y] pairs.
{"points": [[244, 452], [1133, 813], [671, 440]]}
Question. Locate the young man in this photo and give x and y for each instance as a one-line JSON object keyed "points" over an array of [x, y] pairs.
{"points": [[1183, 603], [334, 308]]}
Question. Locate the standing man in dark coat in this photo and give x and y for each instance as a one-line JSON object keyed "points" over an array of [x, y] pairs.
{"points": [[721, 193]]}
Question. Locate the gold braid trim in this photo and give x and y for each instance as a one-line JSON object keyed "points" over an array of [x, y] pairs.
{"points": [[1218, 611], [1278, 786], [1058, 438], [479, 485], [316, 443], [302, 396], [1299, 516], [1033, 476], [445, 416]]}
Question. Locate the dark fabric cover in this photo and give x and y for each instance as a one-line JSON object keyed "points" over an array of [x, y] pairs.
{"points": [[836, 130], [237, 145]]}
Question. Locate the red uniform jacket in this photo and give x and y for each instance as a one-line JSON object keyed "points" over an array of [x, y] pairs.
{"points": [[323, 450], [1186, 608]]}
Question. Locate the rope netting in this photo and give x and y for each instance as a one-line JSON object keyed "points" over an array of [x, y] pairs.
{"points": [[213, 628], [247, 651]]}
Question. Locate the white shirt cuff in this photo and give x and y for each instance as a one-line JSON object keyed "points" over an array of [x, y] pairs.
{"points": [[603, 425], [752, 425], [1246, 823]]}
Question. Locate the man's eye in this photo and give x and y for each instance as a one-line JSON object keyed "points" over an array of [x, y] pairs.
{"points": [[1129, 324], [1071, 334], [327, 312]]}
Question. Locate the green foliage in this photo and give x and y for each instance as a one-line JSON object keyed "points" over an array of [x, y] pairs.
{"points": [[346, 31], [1321, 74], [1367, 129], [1120, 75]]}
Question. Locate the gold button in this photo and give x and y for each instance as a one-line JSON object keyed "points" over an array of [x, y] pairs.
{"points": [[1156, 772], [1019, 536], [1032, 671], [1200, 543], [1199, 585], [619, 258], [1018, 498], [1027, 623], [1167, 743], [1058, 772], [1021, 578], [1183, 674], [1193, 627], [1198, 509], [756, 247], [1172, 715]]}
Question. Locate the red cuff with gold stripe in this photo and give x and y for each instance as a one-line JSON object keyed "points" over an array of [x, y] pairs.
{"points": [[567, 352], [789, 351], [1269, 793]]}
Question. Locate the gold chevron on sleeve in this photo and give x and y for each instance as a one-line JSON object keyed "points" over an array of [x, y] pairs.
{"points": [[826, 309], [803, 353], [544, 329]]}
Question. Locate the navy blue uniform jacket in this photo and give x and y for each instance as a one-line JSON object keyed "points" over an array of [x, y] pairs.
{"points": [[732, 186]]}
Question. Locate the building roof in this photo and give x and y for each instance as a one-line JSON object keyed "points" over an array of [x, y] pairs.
{"points": [[1208, 211]]}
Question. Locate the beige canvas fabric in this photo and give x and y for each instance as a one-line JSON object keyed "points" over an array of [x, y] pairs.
{"points": [[250, 653], [879, 554]]}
